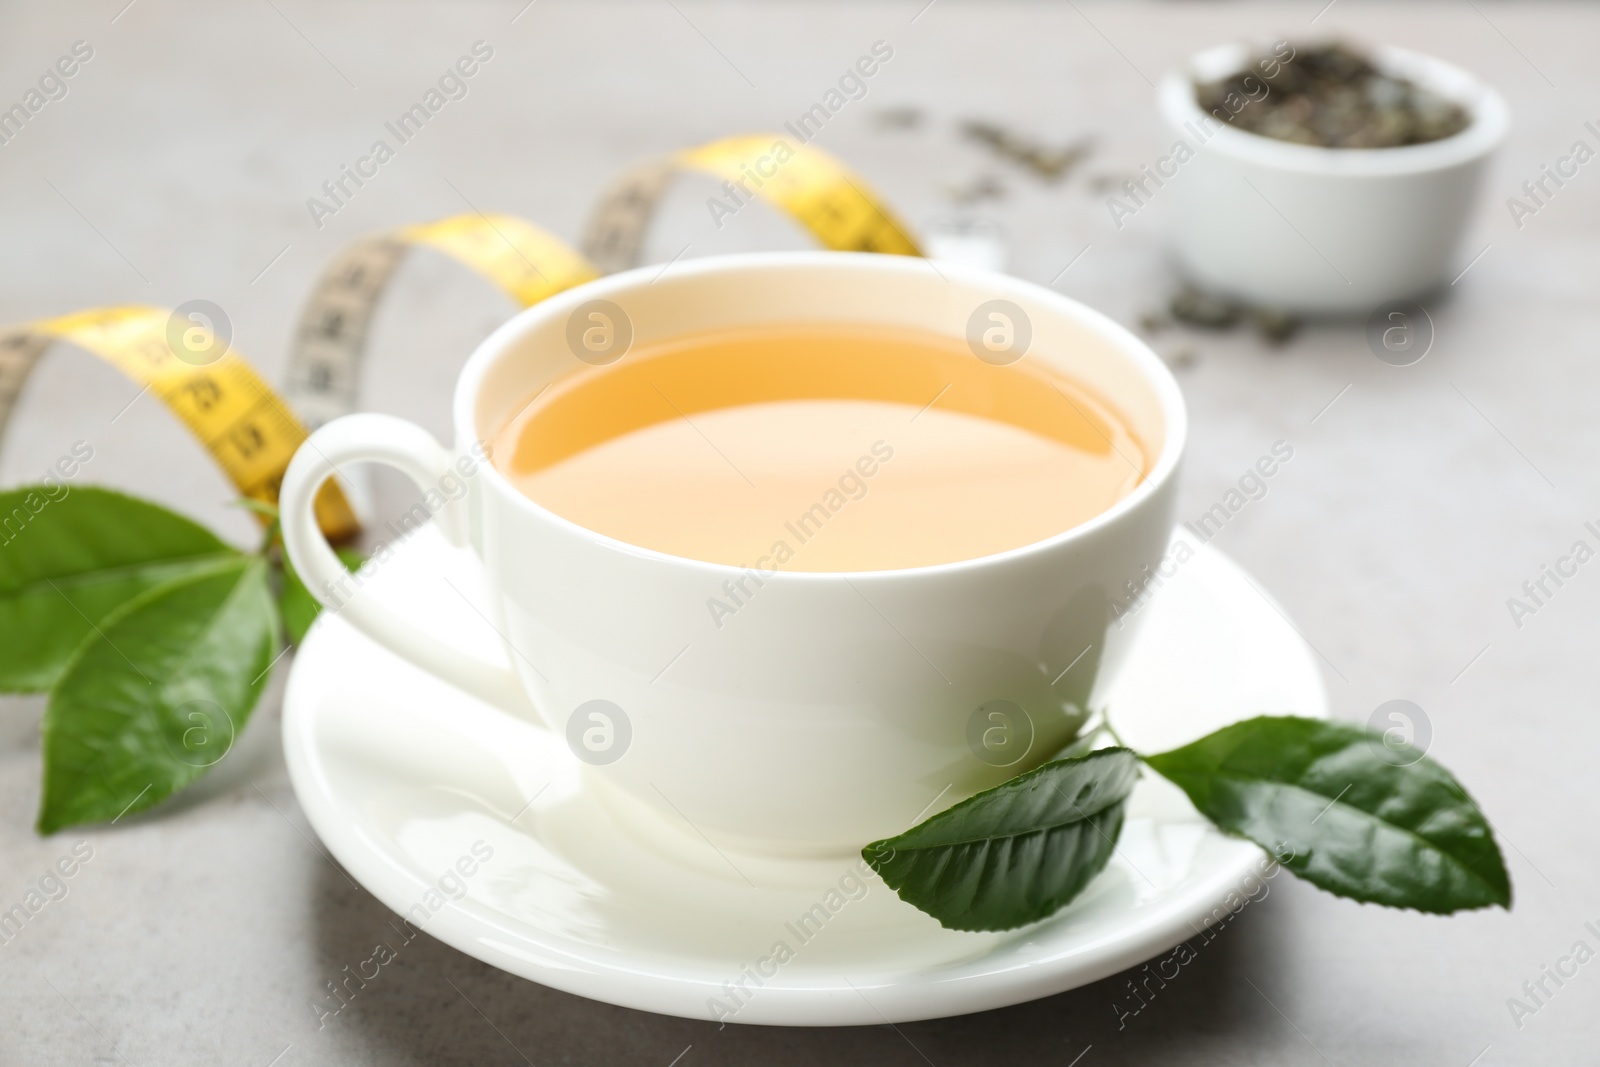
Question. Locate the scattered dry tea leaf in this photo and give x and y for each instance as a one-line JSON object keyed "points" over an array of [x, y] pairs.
{"points": [[1207, 311], [1047, 163], [1195, 308], [1105, 183], [1181, 357], [898, 118], [1154, 322], [1276, 326], [983, 187]]}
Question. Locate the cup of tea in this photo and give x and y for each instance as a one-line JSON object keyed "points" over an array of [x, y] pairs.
{"points": [[791, 547]]}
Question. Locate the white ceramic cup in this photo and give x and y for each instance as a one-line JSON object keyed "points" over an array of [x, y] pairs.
{"points": [[836, 707], [1324, 230]]}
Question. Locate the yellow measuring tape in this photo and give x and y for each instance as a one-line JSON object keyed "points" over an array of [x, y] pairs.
{"points": [[330, 344], [238, 417], [252, 432], [813, 187]]}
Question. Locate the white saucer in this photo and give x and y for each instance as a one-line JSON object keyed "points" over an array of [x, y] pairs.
{"points": [[402, 776]]}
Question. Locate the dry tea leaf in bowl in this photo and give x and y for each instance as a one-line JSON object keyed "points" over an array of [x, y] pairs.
{"points": [[1330, 96]]}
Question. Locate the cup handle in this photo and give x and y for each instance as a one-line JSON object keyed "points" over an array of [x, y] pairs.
{"points": [[413, 451]]}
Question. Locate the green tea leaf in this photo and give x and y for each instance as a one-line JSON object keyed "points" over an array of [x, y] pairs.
{"points": [[295, 602], [66, 564], [1016, 853], [1321, 796], [267, 511], [157, 696]]}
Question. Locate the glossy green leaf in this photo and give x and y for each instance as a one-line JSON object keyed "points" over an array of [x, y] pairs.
{"points": [[68, 563], [157, 696], [1016, 853], [1321, 796], [295, 602]]}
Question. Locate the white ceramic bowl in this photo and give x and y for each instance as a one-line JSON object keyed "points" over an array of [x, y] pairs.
{"points": [[1324, 230]]}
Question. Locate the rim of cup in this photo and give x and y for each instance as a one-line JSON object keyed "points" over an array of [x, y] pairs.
{"points": [[1489, 113], [1127, 344]]}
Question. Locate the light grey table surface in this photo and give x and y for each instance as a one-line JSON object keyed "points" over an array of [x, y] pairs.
{"points": [[178, 167]]}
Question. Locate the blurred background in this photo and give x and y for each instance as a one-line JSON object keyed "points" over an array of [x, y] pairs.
{"points": [[178, 166]]}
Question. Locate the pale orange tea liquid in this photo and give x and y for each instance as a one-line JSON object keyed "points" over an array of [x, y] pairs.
{"points": [[821, 448]]}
